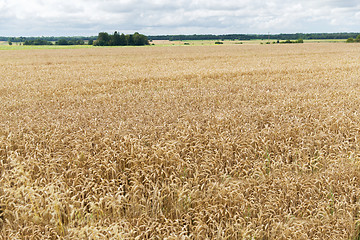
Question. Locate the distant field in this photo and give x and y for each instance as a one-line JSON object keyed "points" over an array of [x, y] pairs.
{"points": [[16, 46], [161, 43], [230, 42], [205, 142]]}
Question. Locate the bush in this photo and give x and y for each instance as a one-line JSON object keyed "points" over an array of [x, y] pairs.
{"points": [[219, 43], [350, 40], [289, 41], [357, 38]]}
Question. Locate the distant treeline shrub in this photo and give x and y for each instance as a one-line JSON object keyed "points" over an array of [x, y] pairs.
{"points": [[243, 37], [37, 42], [351, 40], [234, 37], [50, 39], [59, 42], [289, 41], [116, 39], [70, 42]]}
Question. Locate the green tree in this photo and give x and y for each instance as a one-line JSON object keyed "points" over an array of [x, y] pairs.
{"points": [[62, 42], [357, 38], [115, 39], [37, 42], [103, 39], [350, 40], [140, 39], [123, 41], [136, 39], [130, 40], [79, 42]]}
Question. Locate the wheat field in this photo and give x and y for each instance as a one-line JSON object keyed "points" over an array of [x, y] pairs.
{"points": [[199, 142]]}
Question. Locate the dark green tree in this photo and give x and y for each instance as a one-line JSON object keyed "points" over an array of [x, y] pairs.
{"points": [[357, 38], [140, 39], [115, 39], [136, 39], [62, 42], [130, 40], [103, 39], [37, 42], [123, 41], [79, 42]]}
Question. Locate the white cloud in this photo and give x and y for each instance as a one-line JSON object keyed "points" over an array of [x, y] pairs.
{"points": [[59, 17]]}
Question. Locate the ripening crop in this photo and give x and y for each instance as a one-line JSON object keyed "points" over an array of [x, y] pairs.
{"points": [[187, 142]]}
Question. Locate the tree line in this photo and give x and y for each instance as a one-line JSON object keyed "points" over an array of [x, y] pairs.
{"points": [[116, 39], [103, 39], [59, 42], [244, 37], [49, 39]]}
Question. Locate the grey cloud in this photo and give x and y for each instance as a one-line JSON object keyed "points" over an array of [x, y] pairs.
{"points": [[138, 5], [342, 4], [57, 17]]}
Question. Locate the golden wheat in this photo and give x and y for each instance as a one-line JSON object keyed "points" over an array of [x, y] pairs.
{"points": [[206, 142]]}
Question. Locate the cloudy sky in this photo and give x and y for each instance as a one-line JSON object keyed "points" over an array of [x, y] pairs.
{"points": [[156, 17]]}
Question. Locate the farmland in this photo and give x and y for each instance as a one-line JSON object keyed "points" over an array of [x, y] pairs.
{"points": [[182, 142]]}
